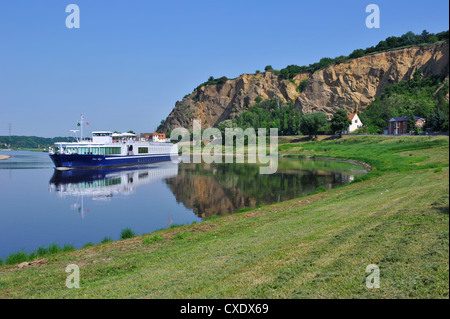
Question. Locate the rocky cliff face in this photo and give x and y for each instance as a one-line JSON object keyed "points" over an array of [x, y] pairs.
{"points": [[352, 86]]}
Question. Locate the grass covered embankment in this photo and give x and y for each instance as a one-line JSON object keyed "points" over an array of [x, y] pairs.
{"points": [[316, 246]]}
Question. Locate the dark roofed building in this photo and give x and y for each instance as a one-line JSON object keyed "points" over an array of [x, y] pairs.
{"points": [[399, 125]]}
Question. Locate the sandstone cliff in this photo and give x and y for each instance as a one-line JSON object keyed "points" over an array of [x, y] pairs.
{"points": [[352, 85]]}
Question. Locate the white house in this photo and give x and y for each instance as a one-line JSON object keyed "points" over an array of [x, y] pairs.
{"points": [[356, 123]]}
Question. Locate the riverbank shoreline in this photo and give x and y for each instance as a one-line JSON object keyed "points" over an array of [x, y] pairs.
{"points": [[315, 246], [366, 166]]}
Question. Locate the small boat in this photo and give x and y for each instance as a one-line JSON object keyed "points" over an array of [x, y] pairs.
{"points": [[106, 149]]}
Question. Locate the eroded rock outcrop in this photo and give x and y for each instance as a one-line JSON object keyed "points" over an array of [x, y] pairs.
{"points": [[352, 85]]}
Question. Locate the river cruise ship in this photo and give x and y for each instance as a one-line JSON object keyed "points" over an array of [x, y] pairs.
{"points": [[106, 149]]}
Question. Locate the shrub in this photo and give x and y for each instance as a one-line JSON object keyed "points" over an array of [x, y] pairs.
{"points": [[258, 99], [302, 86], [16, 258], [106, 240], [321, 189], [127, 233]]}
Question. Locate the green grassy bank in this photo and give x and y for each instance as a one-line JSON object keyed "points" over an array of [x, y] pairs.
{"points": [[315, 246]]}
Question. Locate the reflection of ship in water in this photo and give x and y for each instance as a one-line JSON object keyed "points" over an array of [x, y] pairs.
{"points": [[105, 183]]}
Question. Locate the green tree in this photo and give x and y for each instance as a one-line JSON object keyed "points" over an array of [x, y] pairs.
{"points": [[222, 80], [290, 71], [425, 36], [224, 125], [160, 126], [411, 124], [438, 122], [324, 62], [357, 53], [340, 122], [311, 123]]}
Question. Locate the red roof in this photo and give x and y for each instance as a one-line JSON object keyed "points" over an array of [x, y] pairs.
{"points": [[351, 116]]}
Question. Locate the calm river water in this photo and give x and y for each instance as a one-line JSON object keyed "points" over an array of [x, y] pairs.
{"points": [[40, 205]]}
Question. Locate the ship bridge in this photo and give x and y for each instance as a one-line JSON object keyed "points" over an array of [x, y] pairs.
{"points": [[102, 137]]}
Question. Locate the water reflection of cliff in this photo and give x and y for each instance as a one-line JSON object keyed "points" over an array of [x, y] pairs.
{"points": [[221, 189]]}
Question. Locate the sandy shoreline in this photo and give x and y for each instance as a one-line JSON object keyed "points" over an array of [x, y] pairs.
{"points": [[4, 157]]}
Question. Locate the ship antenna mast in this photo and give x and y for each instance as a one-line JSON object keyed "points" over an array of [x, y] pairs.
{"points": [[81, 127]]}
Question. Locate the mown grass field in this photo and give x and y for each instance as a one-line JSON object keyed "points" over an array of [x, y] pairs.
{"points": [[316, 246]]}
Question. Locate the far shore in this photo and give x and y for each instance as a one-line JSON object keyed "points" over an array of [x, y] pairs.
{"points": [[4, 157]]}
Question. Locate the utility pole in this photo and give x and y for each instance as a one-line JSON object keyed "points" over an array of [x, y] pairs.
{"points": [[9, 129]]}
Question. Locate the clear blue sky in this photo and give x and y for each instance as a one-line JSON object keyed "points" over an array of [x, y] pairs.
{"points": [[131, 60]]}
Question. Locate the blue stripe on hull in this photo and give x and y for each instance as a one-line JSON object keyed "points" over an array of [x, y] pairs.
{"points": [[95, 161]]}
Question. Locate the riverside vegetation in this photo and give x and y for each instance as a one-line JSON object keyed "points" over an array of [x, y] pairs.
{"points": [[315, 246]]}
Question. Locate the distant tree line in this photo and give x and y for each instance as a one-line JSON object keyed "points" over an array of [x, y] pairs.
{"points": [[272, 113], [31, 141]]}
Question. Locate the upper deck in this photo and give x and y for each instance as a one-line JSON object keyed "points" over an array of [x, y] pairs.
{"points": [[109, 143]]}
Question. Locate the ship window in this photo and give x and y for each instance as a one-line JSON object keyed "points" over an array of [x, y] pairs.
{"points": [[112, 150], [102, 151], [94, 150], [142, 150], [101, 134]]}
